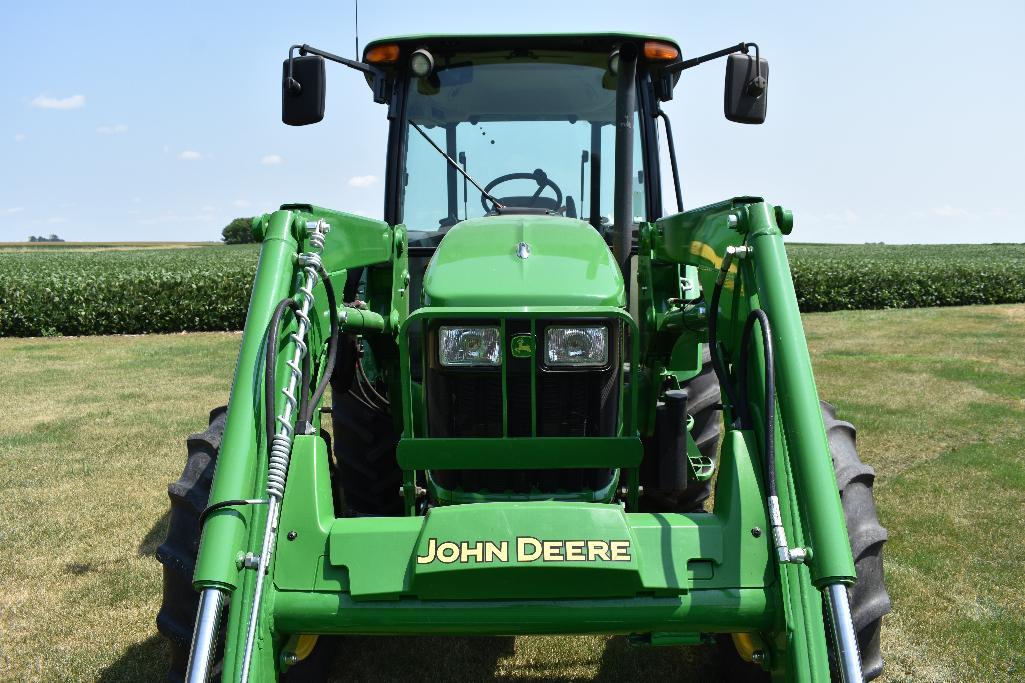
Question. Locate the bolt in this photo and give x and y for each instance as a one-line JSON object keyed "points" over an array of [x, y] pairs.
{"points": [[758, 657], [291, 659], [732, 221], [756, 532], [292, 535]]}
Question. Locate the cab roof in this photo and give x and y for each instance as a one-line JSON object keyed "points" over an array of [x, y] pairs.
{"points": [[588, 42]]}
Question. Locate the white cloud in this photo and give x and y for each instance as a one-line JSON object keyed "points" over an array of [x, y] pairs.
{"points": [[362, 180], [13, 210], [19, 137], [190, 155], [112, 130], [271, 160], [240, 204], [73, 102], [57, 219]]}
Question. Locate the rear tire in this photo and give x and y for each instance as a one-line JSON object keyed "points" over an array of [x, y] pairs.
{"points": [[364, 443], [868, 596], [177, 616]]}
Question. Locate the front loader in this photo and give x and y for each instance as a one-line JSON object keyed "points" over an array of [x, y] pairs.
{"points": [[554, 407]]}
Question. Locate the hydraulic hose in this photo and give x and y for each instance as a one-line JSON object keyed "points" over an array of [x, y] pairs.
{"points": [[308, 402], [769, 428], [783, 550], [270, 367], [306, 415]]}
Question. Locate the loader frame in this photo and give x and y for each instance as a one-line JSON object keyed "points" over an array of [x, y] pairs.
{"points": [[688, 575]]}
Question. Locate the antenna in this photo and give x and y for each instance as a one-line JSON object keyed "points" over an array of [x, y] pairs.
{"points": [[356, 4]]}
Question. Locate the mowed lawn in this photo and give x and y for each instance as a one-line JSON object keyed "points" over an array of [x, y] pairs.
{"points": [[92, 430]]}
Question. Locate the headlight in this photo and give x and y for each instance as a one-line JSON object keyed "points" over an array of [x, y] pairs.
{"points": [[577, 346], [469, 346]]}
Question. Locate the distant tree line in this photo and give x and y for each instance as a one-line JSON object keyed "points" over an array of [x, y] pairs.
{"points": [[239, 231], [40, 238]]}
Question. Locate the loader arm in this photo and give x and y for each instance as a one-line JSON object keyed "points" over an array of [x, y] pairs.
{"points": [[229, 533], [704, 241]]}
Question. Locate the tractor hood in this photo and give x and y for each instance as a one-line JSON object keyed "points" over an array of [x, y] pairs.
{"points": [[523, 260]]}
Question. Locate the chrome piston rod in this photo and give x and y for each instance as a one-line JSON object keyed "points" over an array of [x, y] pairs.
{"points": [[204, 640], [848, 656]]}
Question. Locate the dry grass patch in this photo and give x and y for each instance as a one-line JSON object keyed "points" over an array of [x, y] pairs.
{"points": [[93, 432]]}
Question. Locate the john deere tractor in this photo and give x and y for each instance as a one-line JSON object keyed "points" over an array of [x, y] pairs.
{"points": [[556, 407]]}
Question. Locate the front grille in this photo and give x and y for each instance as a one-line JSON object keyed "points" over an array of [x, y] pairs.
{"points": [[467, 402]]}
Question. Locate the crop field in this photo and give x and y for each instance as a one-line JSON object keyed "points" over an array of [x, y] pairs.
{"points": [[92, 431], [830, 277], [55, 290], [101, 288], [97, 288]]}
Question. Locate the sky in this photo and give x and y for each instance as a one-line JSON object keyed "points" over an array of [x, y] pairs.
{"points": [[887, 122]]}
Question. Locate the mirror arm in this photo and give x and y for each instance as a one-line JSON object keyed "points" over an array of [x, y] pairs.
{"points": [[378, 75], [351, 63], [691, 63]]}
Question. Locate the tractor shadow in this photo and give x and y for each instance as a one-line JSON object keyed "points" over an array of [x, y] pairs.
{"points": [[154, 537], [145, 661], [494, 658], [418, 658]]}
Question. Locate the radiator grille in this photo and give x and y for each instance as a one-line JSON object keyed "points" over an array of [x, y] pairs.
{"points": [[566, 403]]}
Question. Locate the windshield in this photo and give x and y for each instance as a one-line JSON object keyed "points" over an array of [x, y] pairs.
{"points": [[537, 131]]}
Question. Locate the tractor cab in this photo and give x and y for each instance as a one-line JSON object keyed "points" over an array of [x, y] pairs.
{"points": [[534, 126], [514, 125]]}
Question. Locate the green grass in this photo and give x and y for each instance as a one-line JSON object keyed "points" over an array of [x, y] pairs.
{"points": [[92, 431]]}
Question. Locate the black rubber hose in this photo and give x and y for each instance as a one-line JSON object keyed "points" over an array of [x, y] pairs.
{"points": [[270, 365], [715, 349], [770, 390], [332, 350]]}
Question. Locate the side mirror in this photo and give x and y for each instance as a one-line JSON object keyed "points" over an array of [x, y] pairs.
{"points": [[747, 81], [303, 88]]}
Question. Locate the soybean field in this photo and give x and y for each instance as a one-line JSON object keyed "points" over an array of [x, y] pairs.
{"points": [[86, 289]]}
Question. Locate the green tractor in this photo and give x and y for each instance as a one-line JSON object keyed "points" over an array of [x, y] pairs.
{"points": [[555, 407]]}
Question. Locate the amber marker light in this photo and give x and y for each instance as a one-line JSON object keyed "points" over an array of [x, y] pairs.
{"points": [[660, 52], [383, 54]]}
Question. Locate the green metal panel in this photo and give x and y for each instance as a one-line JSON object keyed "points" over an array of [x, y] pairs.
{"points": [[446, 496], [708, 611], [353, 240], [477, 265], [519, 453], [375, 558]]}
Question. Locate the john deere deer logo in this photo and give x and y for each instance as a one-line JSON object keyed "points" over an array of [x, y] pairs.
{"points": [[522, 346]]}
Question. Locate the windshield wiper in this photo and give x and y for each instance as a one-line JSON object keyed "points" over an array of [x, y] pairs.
{"points": [[453, 164]]}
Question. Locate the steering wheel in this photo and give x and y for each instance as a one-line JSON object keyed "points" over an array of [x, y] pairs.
{"points": [[538, 176]]}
